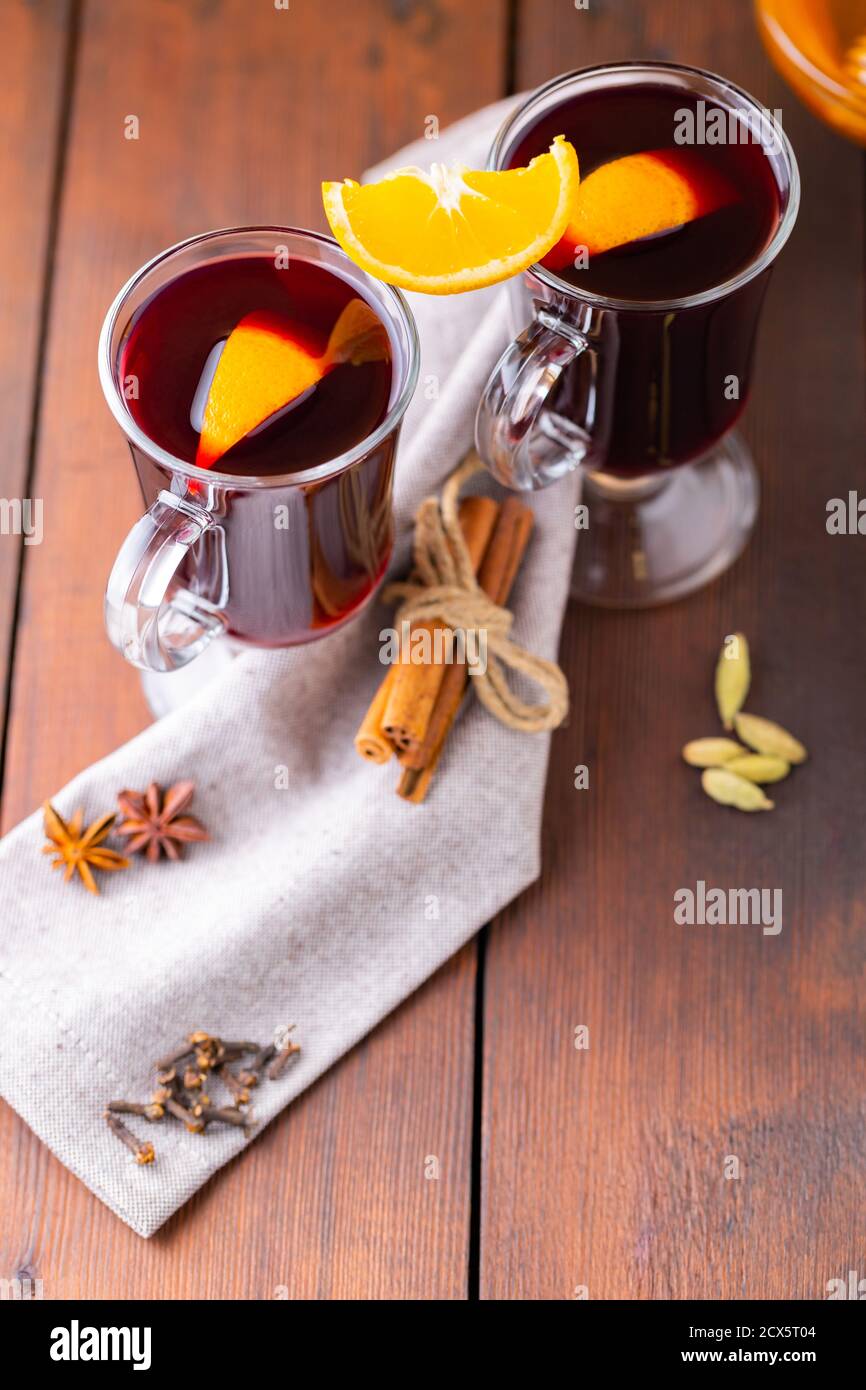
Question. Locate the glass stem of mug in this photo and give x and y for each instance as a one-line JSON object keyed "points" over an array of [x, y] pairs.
{"points": [[613, 489]]}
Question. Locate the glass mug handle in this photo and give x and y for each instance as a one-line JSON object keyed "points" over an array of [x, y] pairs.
{"points": [[153, 626], [524, 443]]}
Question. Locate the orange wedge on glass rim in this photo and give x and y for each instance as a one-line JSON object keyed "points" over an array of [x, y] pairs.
{"points": [[639, 196], [445, 230]]}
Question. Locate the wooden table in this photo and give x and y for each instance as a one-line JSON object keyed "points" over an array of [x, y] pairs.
{"points": [[560, 1168]]}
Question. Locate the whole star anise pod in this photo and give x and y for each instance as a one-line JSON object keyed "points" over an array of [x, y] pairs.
{"points": [[156, 823], [82, 851]]}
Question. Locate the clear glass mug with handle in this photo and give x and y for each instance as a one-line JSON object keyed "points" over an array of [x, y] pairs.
{"points": [[632, 392], [271, 561]]}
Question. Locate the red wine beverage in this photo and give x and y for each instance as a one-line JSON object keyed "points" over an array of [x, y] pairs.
{"points": [[171, 343], [306, 554], [681, 373]]}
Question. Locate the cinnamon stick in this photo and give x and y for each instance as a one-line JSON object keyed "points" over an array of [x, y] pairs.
{"points": [[412, 693], [415, 780], [496, 576], [371, 740], [415, 686], [505, 553]]}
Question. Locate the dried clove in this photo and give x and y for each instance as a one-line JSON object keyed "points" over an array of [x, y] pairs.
{"points": [[166, 1063], [233, 1084], [154, 1111], [143, 1152], [196, 1103], [194, 1123], [229, 1115], [233, 1052], [208, 1050], [278, 1065], [181, 1078], [250, 1077]]}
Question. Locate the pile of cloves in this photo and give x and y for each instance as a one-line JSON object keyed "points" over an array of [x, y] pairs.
{"points": [[183, 1079]]}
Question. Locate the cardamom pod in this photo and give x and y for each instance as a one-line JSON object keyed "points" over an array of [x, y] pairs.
{"points": [[766, 737], [710, 752], [730, 790], [759, 767], [733, 675]]}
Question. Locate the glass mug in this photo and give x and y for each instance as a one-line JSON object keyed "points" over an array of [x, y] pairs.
{"points": [[631, 391], [272, 561]]}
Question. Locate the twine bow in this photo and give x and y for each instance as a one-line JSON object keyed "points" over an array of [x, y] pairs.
{"points": [[444, 587]]}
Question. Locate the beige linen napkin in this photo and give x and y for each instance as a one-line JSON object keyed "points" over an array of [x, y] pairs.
{"points": [[322, 904]]}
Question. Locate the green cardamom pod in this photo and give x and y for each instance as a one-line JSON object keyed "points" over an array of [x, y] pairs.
{"points": [[730, 790], [710, 752], [733, 674], [766, 737], [759, 767]]}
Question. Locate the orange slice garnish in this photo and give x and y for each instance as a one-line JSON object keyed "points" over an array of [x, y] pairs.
{"points": [[638, 196], [447, 229], [263, 369], [357, 337]]}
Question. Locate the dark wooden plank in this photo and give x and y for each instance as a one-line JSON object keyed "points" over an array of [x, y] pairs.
{"points": [[33, 51], [242, 111], [604, 1168]]}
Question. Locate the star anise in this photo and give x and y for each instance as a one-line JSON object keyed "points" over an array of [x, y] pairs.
{"points": [[82, 851], [156, 823]]}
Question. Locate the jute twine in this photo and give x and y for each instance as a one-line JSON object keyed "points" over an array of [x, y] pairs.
{"points": [[444, 587]]}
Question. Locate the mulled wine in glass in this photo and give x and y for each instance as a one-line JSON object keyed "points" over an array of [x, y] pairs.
{"points": [[634, 361]]}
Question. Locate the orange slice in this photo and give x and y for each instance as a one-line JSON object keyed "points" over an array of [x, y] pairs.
{"points": [[451, 229], [357, 337], [262, 369], [638, 196]]}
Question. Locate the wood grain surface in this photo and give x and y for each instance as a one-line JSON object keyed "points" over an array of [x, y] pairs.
{"points": [[603, 1169], [242, 111], [34, 51], [600, 1169]]}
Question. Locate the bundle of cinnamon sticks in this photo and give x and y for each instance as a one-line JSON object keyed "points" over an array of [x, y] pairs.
{"points": [[416, 704]]}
